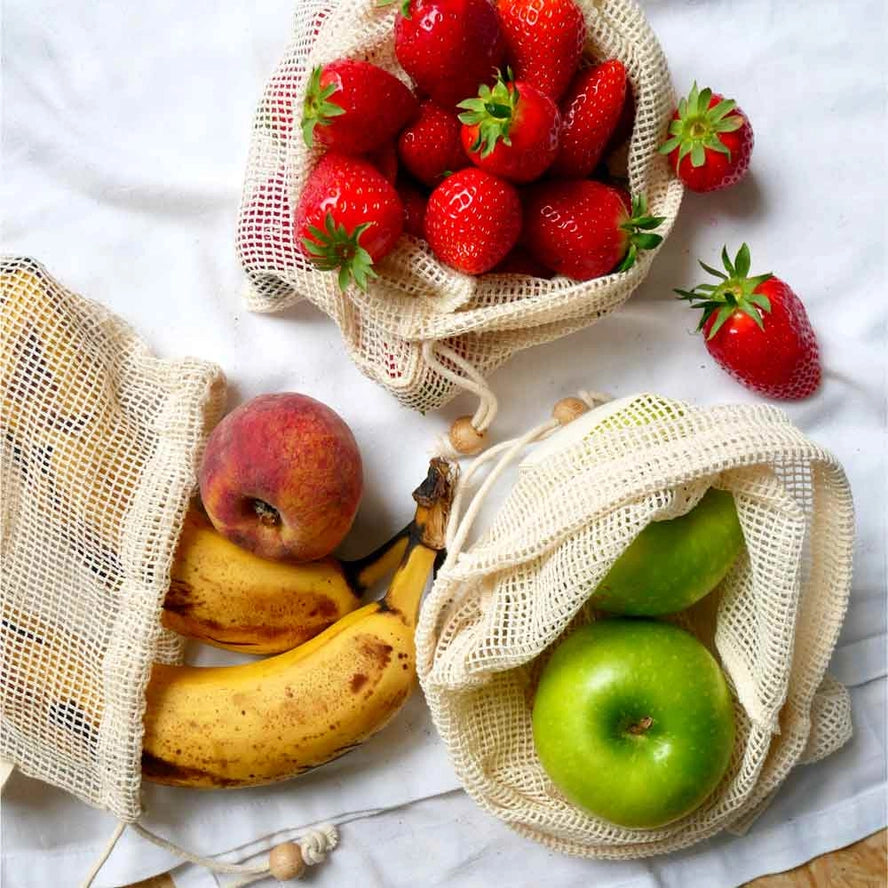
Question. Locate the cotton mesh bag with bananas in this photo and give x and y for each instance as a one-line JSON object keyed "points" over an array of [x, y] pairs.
{"points": [[110, 562], [631, 656]]}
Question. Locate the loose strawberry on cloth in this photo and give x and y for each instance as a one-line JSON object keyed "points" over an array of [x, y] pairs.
{"points": [[757, 329], [710, 141]]}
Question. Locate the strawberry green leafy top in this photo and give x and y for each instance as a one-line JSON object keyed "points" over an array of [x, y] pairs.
{"points": [[317, 109], [336, 249], [493, 110], [639, 227], [735, 292], [696, 127]]}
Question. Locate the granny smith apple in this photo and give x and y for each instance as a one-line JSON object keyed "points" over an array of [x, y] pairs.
{"points": [[672, 564], [633, 721]]}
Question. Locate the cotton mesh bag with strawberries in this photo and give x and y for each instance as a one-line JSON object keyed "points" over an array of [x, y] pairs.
{"points": [[454, 180], [628, 655]]}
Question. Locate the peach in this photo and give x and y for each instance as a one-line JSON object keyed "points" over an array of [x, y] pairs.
{"points": [[282, 477]]}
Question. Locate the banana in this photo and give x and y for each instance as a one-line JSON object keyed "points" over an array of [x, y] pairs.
{"points": [[228, 597], [261, 722], [50, 678]]}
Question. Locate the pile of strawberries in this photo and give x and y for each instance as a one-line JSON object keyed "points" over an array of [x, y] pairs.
{"points": [[489, 159], [495, 158]]}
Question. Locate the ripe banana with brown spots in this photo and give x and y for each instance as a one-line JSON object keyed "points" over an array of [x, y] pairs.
{"points": [[261, 722], [230, 598]]}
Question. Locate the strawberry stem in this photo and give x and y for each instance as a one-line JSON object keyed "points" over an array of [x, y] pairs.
{"points": [[698, 127], [334, 247], [736, 291], [639, 227], [404, 6], [317, 109], [493, 111]]}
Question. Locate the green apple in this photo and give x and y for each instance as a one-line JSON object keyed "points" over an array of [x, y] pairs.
{"points": [[633, 721], [672, 564]]}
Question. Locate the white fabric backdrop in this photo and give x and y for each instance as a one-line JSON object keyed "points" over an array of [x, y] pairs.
{"points": [[125, 132]]}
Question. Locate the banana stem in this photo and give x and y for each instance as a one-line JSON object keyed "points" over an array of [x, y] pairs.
{"points": [[426, 541]]}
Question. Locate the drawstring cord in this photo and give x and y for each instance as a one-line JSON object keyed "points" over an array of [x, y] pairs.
{"points": [[285, 861], [471, 380], [459, 525]]}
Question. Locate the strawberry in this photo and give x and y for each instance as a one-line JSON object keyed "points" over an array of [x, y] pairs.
{"points": [[385, 159], [510, 130], [519, 261], [757, 329], [354, 107], [414, 203], [582, 229], [430, 146], [448, 47], [591, 110], [472, 220], [544, 40], [348, 218], [710, 141]]}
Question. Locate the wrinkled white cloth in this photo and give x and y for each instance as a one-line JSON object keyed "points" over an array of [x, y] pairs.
{"points": [[125, 132]]}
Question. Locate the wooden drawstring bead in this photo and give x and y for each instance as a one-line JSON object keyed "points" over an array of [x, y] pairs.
{"points": [[285, 862], [465, 438], [568, 409]]}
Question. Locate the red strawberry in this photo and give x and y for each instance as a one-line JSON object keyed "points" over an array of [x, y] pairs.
{"points": [[581, 228], [519, 261], [591, 110], [626, 123], [354, 107], [385, 159], [264, 238], [511, 130], [544, 40], [757, 329], [472, 220], [430, 146], [348, 218], [448, 47], [710, 141], [414, 202]]}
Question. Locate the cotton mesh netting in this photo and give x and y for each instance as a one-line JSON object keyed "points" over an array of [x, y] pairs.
{"points": [[497, 608], [100, 444], [416, 299]]}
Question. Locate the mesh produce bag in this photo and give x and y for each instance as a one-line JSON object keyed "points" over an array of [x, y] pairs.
{"points": [[100, 447], [500, 604], [423, 330]]}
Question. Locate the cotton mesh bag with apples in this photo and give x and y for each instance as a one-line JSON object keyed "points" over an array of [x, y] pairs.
{"points": [[585, 495], [422, 329]]}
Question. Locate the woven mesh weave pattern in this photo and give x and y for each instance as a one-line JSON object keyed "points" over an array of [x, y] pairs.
{"points": [[497, 609], [100, 443], [416, 298]]}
